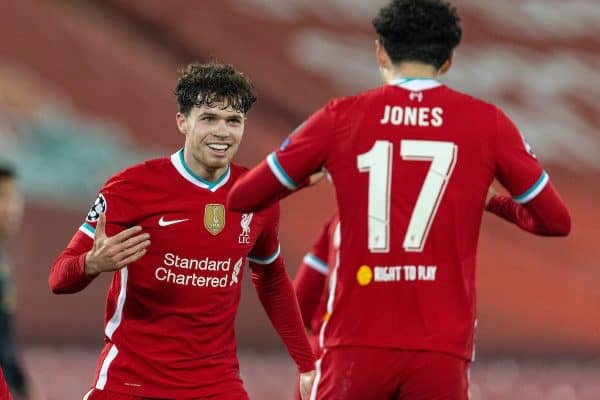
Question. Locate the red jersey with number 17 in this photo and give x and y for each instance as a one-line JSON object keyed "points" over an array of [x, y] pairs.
{"points": [[411, 163]]}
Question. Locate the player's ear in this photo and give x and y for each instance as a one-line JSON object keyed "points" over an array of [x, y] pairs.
{"points": [[381, 55], [447, 64], [182, 124]]}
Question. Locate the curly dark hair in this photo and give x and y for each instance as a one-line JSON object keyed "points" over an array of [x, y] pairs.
{"points": [[418, 30], [212, 83]]}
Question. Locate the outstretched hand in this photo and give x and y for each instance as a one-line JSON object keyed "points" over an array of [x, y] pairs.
{"points": [[113, 253]]}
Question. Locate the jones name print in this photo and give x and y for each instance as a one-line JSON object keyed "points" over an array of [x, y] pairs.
{"points": [[412, 116]]}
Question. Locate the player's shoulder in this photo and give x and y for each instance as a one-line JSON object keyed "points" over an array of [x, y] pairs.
{"points": [[341, 104], [138, 174], [471, 102]]}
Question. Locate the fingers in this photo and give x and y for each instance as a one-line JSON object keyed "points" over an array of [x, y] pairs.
{"points": [[316, 178], [126, 234], [304, 392], [114, 252], [306, 382], [131, 242], [132, 258], [100, 226], [126, 253]]}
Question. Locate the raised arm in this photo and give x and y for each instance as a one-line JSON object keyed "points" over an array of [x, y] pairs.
{"points": [[256, 190], [79, 263], [106, 241], [289, 168]]}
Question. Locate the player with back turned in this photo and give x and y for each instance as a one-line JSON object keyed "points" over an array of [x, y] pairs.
{"points": [[411, 162], [312, 282], [178, 257]]}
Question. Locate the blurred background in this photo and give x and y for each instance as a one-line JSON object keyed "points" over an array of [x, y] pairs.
{"points": [[86, 88]]}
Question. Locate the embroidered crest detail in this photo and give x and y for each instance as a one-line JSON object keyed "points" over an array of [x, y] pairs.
{"points": [[244, 237], [214, 218]]}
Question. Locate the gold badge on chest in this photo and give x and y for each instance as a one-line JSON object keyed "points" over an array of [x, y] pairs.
{"points": [[214, 218]]}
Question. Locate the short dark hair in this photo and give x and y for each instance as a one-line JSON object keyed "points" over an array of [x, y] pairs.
{"points": [[418, 30], [7, 171], [211, 83]]}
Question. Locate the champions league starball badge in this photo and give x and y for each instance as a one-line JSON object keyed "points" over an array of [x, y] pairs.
{"points": [[98, 207]]}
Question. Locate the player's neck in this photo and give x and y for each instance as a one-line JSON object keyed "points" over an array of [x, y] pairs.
{"points": [[202, 172], [414, 70], [211, 175]]}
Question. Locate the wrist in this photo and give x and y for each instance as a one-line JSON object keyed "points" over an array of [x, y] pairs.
{"points": [[89, 267]]}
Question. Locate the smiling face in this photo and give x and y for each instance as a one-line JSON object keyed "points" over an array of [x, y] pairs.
{"points": [[212, 137]]}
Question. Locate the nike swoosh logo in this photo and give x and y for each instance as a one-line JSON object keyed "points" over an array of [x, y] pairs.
{"points": [[162, 222]]}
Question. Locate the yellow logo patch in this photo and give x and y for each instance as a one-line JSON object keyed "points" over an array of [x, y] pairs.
{"points": [[214, 218], [364, 275]]}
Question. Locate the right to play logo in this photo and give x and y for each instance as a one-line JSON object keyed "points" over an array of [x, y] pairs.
{"points": [[395, 273], [364, 275]]}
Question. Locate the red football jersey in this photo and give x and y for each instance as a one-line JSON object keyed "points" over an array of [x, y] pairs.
{"points": [[411, 163], [312, 281], [169, 323]]}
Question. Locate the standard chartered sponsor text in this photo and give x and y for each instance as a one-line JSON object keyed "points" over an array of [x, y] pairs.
{"points": [[202, 272]]}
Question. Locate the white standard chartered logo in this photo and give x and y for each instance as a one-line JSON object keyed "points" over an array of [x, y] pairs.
{"points": [[204, 272], [236, 271]]}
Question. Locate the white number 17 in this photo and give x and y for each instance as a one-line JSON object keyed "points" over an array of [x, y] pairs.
{"points": [[378, 163]]}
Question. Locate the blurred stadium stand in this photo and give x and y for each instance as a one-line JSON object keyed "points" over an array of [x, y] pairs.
{"points": [[86, 88]]}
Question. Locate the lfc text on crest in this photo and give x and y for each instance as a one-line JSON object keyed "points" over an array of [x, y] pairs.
{"points": [[244, 237]]}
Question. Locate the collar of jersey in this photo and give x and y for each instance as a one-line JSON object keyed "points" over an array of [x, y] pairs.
{"points": [[179, 163], [416, 84]]}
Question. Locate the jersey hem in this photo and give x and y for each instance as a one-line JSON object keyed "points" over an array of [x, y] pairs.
{"points": [[219, 389], [466, 355]]}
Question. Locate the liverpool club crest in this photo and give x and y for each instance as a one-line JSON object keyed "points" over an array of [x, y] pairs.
{"points": [[244, 237], [214, 218]]}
